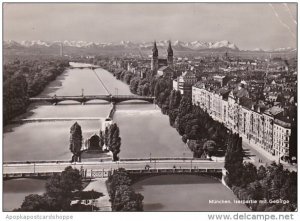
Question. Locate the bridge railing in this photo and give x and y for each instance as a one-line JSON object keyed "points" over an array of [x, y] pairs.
{"points": [[36, 161], [92, 96], [121, 160], [164, 158]]}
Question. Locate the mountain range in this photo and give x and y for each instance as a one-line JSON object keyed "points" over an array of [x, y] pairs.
{"points": [[123, 45]]}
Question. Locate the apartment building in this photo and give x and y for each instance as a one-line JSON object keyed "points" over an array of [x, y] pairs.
{"points": [[267, 129]]}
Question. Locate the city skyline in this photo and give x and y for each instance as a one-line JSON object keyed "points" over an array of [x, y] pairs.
{"points": [[237, 23]]}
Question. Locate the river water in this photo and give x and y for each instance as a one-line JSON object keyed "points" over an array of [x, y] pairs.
{"points": [[185, 193], [144, 130]]}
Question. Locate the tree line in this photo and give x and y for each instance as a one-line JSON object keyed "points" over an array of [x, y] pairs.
{"points": [[122, 196], [272, 187], [61, 189], [26, 78]]}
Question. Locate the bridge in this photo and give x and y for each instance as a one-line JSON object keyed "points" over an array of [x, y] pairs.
{"points": [[104, 169], [85, 98], [92, 67]]}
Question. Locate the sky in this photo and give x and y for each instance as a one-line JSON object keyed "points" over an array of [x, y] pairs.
{"points": [[249, 26]]}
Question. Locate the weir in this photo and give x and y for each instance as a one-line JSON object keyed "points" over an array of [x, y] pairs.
{"points": [[112, 111], [50, 119]]}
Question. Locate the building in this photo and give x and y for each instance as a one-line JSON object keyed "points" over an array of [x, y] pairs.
{"points": [[267, 129], [93, 143], [157, 62], [219, 79], [165, 71], [185, 82], [281, 135]]}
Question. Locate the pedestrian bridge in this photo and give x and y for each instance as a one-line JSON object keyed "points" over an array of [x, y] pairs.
{"points": [[85, 98], [104, 169]]}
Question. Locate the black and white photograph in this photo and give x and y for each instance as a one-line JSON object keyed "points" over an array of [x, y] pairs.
{"points": [[147, 106]]}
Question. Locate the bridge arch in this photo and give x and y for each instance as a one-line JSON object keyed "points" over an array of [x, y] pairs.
{"points": [[62, 101], [120, 100], [97, 99]]}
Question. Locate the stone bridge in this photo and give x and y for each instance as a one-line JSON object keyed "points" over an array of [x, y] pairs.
{"points": [[138, 168], [83, 99]]}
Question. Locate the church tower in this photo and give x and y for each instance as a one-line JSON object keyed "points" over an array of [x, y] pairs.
{"points": [[154, 60], [170, 55]]}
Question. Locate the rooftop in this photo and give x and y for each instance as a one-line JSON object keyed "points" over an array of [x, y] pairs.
{"points": [[274, 110], [164, 68]]}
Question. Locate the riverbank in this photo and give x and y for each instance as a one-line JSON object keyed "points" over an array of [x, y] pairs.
{"points": [[18, 86]]}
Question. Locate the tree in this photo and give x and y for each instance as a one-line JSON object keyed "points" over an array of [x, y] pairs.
{"points": [[122, 196], [197, 147], [256, 190], [127, 200], [249, 174], [34, 202], [134, 85], [209, 147], [173, 113], [261, 173], [106, 137], [293, 141], [289, 190], [113, 140], [15, 96], [234, 159], [75, 141], [185, 106], [59, 188], [101, 139], [174, 100]]}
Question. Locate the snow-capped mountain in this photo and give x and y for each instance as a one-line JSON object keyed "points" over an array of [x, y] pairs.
{"points": [[283, 49], [35, 43], [223, 44], [177, 45], [288, 49], [258, 49], [11, 43], [123, 45]]}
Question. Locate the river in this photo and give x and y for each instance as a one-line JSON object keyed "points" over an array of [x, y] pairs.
{"points": [[144, 130], [185, 193]]}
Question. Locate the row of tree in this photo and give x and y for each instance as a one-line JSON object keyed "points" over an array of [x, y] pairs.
{"points": [[274, 188], [122, 196], [110, 138], [191, 122], [26, 78], [61, 189]]}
